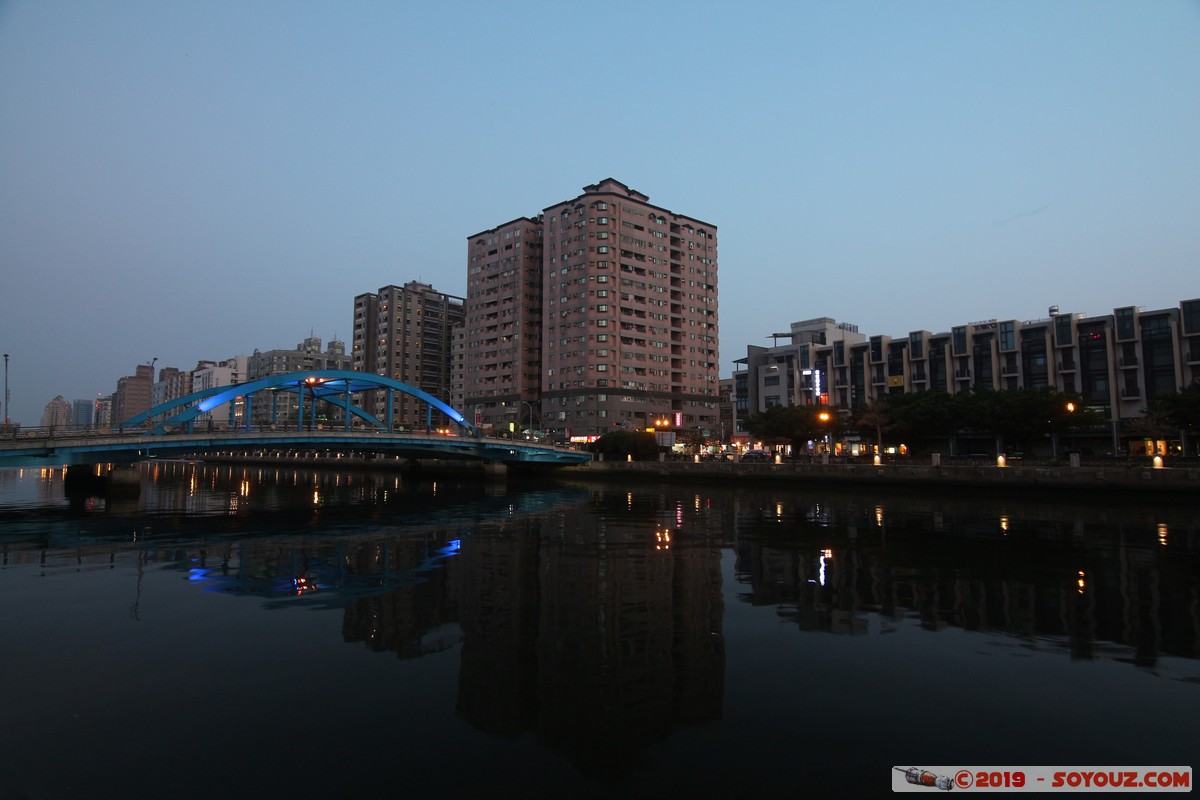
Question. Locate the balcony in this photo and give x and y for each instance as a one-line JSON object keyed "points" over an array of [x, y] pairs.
{"points": [[1129, 363], [1067, 366], [962, 374], [1009, 370], [1130, 393]]}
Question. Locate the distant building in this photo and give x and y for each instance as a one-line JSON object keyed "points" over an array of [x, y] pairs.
{"points": [[214, 374], [132, 396], [83, 414], [57, 414], [307, 355], [407, 333], [172, 384], [102, 413]]}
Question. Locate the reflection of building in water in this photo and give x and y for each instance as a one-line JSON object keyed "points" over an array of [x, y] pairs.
{"points": [[598, 637], [403, 620], [496, 583], [630, 637], [1090, 590]]}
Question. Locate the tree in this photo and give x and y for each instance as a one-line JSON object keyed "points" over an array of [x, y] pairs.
{"points": [[793, 425], [1181, 411], [918, 417], [874, 415], [619, 444]]}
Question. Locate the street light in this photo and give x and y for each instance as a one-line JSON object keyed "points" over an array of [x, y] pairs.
{"points": [[823, 416], [6, 392]]}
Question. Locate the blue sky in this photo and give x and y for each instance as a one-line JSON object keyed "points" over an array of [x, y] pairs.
{"points": [[193, 180]]}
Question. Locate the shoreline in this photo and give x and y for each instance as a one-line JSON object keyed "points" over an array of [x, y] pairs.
{"points": [[1122, 478]]}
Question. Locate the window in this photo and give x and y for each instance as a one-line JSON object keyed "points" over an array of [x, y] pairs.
{"points": [[602, 249], [1191, 317]]}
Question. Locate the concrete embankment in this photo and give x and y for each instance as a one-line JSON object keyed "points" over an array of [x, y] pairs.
{"points": [[1122, 478]]}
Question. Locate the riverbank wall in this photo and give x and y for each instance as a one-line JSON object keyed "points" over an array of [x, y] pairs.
{"points": [[1120, 479]]}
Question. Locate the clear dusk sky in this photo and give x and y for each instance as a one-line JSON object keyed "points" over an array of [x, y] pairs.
{"points": [[194, 180]]}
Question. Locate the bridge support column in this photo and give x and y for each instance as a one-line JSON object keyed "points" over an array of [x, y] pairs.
{"points": [[495, 471]]}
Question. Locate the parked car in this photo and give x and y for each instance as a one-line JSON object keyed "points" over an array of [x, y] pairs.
{"points": [[756, 456]]}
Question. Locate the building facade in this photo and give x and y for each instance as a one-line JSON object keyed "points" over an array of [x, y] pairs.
{"points": [[213, 374], [502, 331], [628, 316], [132, 395], [56, 414], [407, 333], [83, 414], [307, 355], [1116, 363]]}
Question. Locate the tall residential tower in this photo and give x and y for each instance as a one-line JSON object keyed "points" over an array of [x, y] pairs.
{"points": [[406, 333], [627, 295]]}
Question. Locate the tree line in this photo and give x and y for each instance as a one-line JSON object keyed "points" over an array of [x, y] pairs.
{"points": [[921, 420]]}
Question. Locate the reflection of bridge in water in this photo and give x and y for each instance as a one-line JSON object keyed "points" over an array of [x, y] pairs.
{"points": [[169, 429]]}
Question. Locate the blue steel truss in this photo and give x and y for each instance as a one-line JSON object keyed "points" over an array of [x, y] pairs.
{"points": [[334, 386]]}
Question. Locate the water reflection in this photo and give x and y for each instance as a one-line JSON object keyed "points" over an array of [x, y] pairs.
{"points": [[594, 617]]}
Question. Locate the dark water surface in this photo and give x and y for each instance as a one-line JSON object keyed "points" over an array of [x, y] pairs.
{"points": [[231, 632]]}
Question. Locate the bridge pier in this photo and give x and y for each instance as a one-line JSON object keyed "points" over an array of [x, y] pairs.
{"points": [[495, 471]]}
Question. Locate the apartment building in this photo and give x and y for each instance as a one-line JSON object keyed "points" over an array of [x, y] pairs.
{"points": [[83, 414], [132, 395], [1117, 363], [502, 333], [283, 408], [627, 311], [56, 414], [214, 374], [406, 333]]}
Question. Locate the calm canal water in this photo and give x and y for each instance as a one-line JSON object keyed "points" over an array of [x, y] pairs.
{"points": [[234, 632]]}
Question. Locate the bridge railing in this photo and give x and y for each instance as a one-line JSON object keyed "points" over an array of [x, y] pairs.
{"points": [[57, 434]]}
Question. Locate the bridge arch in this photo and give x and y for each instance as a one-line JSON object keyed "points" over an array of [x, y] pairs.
{"points": [[333, 386]]}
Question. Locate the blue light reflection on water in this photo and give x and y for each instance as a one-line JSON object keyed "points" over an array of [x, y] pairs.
{"points": [[546, 632]]}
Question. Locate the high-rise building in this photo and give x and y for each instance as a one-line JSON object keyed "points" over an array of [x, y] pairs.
{"points": [[212, 374], [406, 333], [57, 413], [307, 355], [133, 394], [83, 414], [502, 337], [628, 316]]}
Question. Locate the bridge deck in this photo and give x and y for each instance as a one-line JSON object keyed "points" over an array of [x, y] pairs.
{"points": [[94, 448]]}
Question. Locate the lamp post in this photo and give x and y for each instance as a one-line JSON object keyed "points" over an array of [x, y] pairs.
{"points": [[6, 392], [824, 417], [1070, 409]]}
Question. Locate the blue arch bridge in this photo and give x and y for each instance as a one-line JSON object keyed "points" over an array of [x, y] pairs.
{"points": [[171, 429]]}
